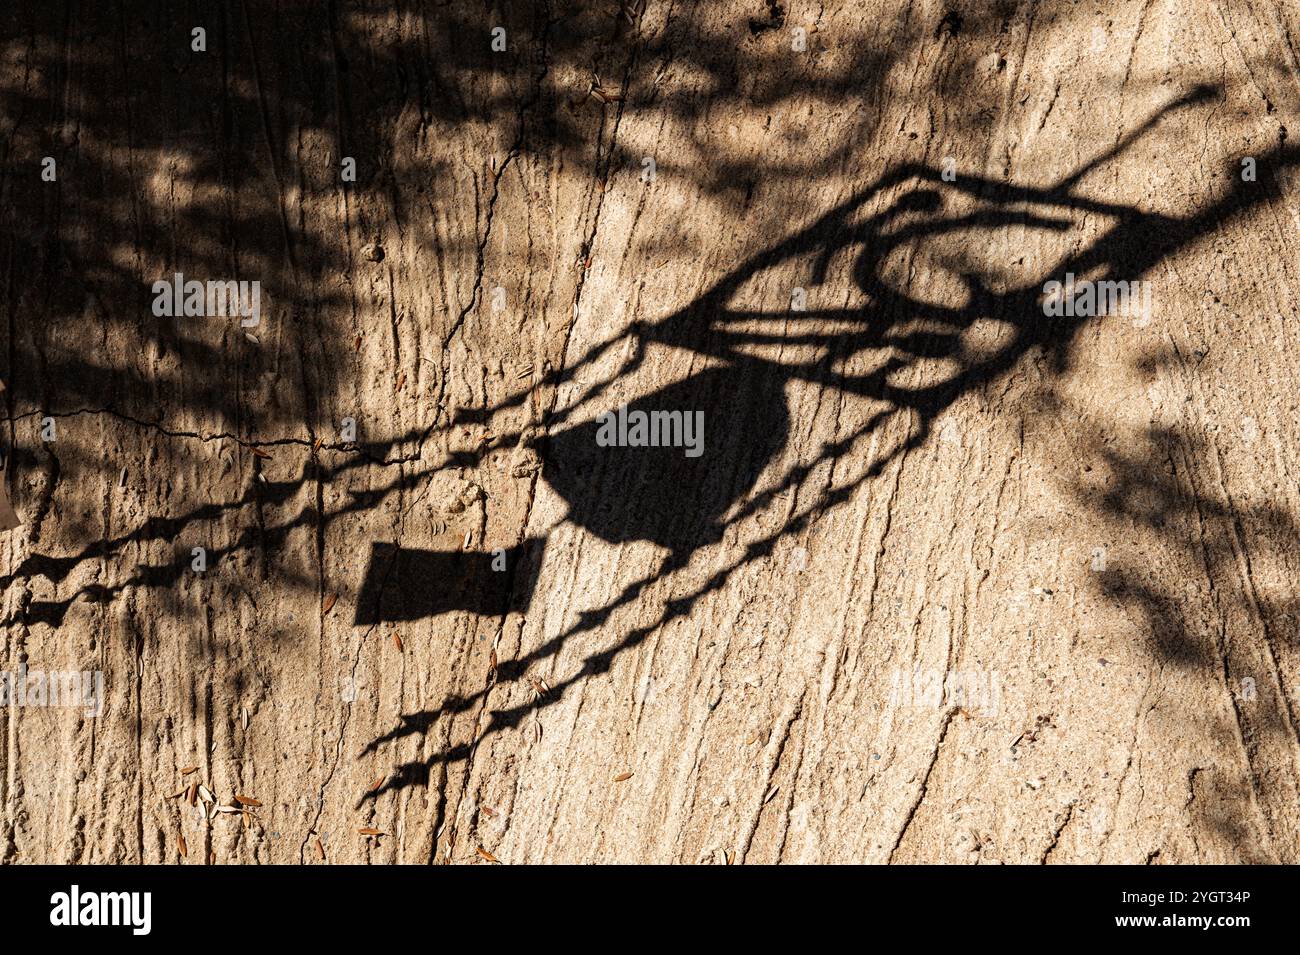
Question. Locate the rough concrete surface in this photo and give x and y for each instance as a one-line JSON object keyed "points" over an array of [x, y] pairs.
{"points": [[952, 580]]}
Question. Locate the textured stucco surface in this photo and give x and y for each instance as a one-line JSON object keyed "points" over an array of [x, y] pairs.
{"points": [[909, 469]]}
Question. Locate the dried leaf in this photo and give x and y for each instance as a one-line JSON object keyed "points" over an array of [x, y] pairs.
{"points": [[489, 811], [487, 855], [320, 849], [259, 453], [189, 769], [368, 831], [246, 800], [377, 783], [401, 380], [206, 794], [356, 345], [194, 791], [330, 601], [623, 777], [397, 641], [180, 844]]}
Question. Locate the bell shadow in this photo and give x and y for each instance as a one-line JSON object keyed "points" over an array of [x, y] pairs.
{"points": [[673, 493], [702, 445]]}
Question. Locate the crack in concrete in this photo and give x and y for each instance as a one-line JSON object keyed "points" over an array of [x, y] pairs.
{"points": [[250, 443]]}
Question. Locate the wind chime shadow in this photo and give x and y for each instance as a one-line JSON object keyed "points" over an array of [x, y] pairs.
{"points": [[917, 360]]}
